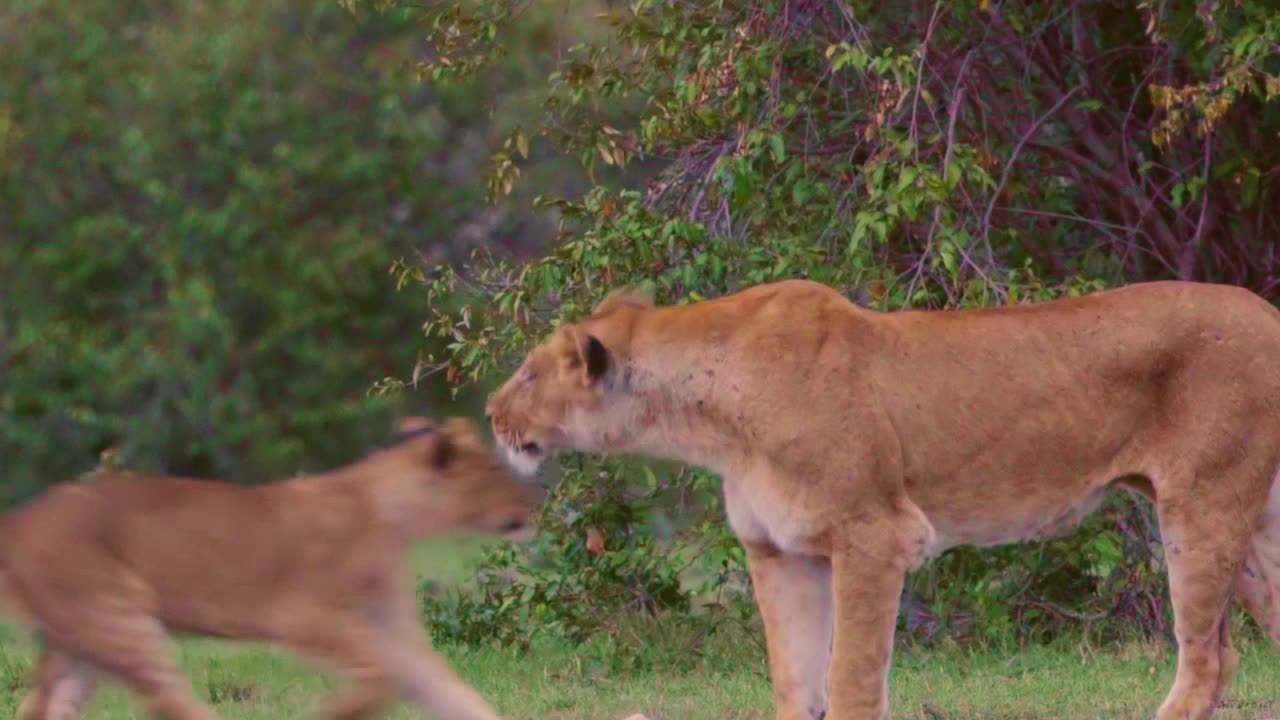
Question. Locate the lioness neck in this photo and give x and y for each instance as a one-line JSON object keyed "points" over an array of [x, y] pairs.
{"points": [[686, 389], [703, 383]]}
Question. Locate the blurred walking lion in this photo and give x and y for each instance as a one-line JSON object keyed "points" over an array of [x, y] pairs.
{"points": [[103, 570]]}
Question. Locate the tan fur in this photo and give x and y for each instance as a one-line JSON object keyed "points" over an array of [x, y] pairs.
{"points": [[854, 444], [105, 569], [624, 298]]}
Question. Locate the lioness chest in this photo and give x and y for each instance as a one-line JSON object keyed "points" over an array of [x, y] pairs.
{"points": [[763, 511]]}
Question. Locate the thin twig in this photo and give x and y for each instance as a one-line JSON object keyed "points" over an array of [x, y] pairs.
{"points": [[924, 52], [1186, 263], [1013, 158]]}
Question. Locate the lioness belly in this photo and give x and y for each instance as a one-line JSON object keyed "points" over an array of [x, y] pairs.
{"points": [[756, 518], [1039, 521]]}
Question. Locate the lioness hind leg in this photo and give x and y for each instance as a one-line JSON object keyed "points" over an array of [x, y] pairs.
{"points": [[1203, 556], [134, 648], [793, 593], [63, 687], [35, 703], [1229, 658], [1257, 584]]}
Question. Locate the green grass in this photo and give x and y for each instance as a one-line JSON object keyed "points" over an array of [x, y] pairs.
{"points": [[252, 682]]}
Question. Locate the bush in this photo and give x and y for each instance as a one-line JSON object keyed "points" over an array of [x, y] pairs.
{"points": [[595, 565]]}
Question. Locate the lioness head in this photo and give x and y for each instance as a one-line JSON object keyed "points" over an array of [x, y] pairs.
{"points": [[568, 392], [460, 481]]}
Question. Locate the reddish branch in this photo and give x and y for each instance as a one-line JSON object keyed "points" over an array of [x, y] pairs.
{"points": [[1058, 103]]}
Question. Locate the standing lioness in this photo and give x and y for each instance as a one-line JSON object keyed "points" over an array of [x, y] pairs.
{"points": [[105, 568], [854, 444]]}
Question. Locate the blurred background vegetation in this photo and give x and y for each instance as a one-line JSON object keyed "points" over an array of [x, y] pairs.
{"points": [[223, 225], [199, 205]]}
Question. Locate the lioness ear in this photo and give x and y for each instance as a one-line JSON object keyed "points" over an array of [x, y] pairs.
{"points": [[624, 297], [596, 357], [585, 356]]}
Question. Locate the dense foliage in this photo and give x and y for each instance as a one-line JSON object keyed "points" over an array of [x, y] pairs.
{"points": [[198, 206], [914, 154]]}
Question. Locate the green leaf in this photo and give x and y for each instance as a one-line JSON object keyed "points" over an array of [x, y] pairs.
{"points": [[1249, 185], [778, 148], [907, 178], [947, 251], [801, 192]]}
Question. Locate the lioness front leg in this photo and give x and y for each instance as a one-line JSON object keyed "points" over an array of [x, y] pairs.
{"points": [[869, 561], [348, 643], [434, 688], [427, 680], [793, 593], [368, 696], [422, 674]]}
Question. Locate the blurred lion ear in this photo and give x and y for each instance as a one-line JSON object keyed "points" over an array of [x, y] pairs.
{"points": [[444, 452], [412, 425]]}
